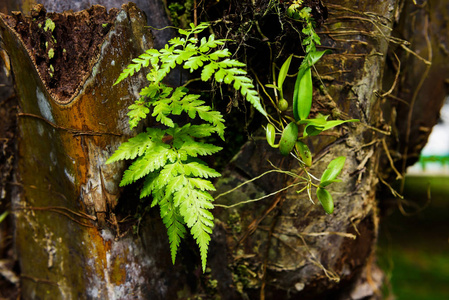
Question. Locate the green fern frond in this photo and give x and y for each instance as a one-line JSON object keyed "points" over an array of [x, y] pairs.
{"points": [[177, 183], [204, 130], [174, 223], [200, 170], [134, 147], [150, 91], [167, 158], [148, 188], [202, 184], [153, 159], [194, 149], [128, 71], [210, 43], [194, 62], [194, 208], [161, 110], [219, 54], [137, 112], [209, 70]]}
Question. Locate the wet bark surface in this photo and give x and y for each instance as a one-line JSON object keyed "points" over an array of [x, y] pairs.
{"points": [[9, 280], [65, 193]]}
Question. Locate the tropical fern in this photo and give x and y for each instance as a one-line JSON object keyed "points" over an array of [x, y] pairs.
{"points": [[193, 55], [167, 157]]}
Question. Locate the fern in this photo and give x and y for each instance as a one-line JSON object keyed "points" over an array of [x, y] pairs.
{"points": [[168, 157]]}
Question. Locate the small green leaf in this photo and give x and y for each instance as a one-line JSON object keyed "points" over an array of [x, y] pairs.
{"points": [[332, 124], [333, 169], [326, 183], [271, 86], [314, 56], [325, 199], [304, 153], [271, 135], [288, 138], [283, 72], [49, 25], [301, 73], [3, 216], [312, 130], [304, 94]]}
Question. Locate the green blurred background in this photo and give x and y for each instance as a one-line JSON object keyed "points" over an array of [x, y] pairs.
{"points": [[413, 247]]}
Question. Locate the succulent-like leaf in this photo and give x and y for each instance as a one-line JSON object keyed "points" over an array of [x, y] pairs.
{"points": [[304, 95], [271, 135], [325, 199], [283, 72], [304, 153], [333, 169], [288, 138]]}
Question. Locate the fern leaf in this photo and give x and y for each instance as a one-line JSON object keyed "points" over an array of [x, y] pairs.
{"points": [[134, 147], [229, 63], [128, 71], [201, 232], [246, 87], [219, 54], [166, 175], [194, 208], [202, 184], [197, 148], [154, 159], [199, 28], [211, 116], [148, 186], [179, 92], [195, 62], [177, 183], [177, 41], [220, 75], [200, 170], [137, 112], [207, 44], [174, 223], [253, 97], [208, 71], [142, 60], [149, 91], [200, 131], [161, 110]]}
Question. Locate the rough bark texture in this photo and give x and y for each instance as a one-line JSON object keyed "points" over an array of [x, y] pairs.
{"points": [[287, 246], [64, 142], [282, 247]]}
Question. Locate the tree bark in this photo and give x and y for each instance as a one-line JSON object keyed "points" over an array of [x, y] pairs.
{"points": [[64, 142], [72, 237]]}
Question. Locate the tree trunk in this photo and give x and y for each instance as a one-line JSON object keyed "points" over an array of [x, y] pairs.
{"points": [[70, 122], [72, 236]]}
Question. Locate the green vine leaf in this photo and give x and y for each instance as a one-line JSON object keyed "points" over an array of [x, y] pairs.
{"points": [[332, 171], [288, 138], [325, 199], [304, 95], [283, 72]]}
